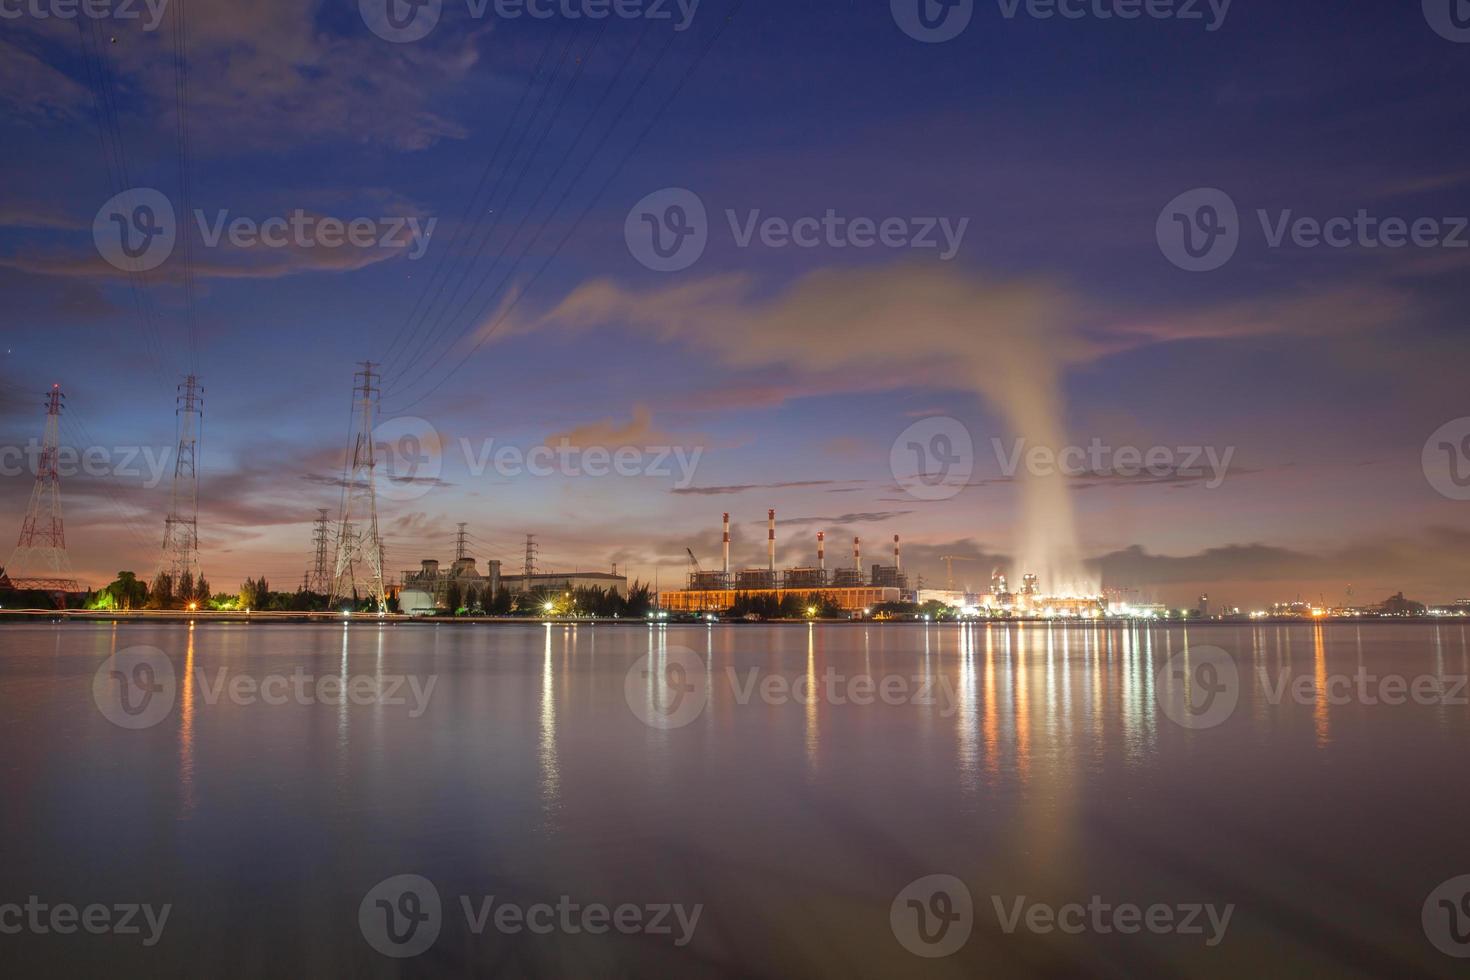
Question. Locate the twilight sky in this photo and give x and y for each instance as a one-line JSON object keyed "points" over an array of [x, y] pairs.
{"points": [[526, 318]]}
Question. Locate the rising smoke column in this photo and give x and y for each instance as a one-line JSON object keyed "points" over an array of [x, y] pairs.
{"points": [[1046, 541]]}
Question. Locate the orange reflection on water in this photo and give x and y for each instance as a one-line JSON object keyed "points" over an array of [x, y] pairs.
{"points": [[186, 727], [1319, 713], [1021, 699], [992, 723]]}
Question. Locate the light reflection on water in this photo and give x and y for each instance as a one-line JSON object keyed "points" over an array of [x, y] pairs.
{"points": [[1044, 768]]}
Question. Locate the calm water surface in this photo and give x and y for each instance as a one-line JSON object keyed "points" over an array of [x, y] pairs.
{"points": [[1022, 760]]}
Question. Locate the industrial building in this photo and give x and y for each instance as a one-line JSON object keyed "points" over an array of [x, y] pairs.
{"points": [[429, 585], [848, 588], [548, 582]]}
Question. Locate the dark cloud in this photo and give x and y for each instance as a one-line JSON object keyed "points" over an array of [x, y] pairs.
{"points": [[743, 487]]}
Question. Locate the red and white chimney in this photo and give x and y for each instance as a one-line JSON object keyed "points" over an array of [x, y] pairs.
{"points": [[897, 556], [771, 540], [857, 554], [822, 550], [727, 544]]}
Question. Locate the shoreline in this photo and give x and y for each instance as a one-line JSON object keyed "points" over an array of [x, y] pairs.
{"points": [[8, 616]]}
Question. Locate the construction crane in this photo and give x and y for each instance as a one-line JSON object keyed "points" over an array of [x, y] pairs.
{"points": [[949, 561], [693, 562]]}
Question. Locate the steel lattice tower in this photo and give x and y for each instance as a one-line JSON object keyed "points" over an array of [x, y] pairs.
{"points": [[319, 579], [360, 501], [40, 560], [181, 527]]}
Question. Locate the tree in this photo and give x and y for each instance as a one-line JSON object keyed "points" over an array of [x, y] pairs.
{"points": [[126, 592], [161, 596], [255, 594]]}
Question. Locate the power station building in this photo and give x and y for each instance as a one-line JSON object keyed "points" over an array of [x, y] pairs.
{"points": [[848, 587]]}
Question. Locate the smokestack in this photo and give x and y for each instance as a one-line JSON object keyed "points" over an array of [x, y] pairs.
{"points": [[822, 550], [727, 545], [857, 553], [771, 540], [897, 558]]}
